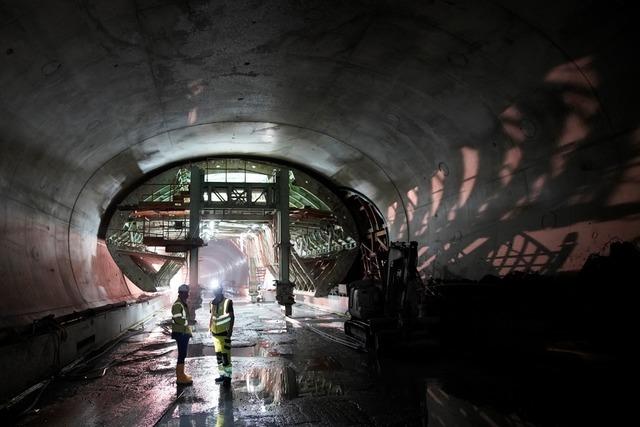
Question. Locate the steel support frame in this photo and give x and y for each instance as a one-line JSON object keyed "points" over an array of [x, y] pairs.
{"points": [[284, 289], [195, 202]]}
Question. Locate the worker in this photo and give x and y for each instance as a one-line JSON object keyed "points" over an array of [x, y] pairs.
{"points": [[221, 327], [181, 332]]}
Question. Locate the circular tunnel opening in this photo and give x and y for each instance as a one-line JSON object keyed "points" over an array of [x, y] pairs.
{"points": [[149, 231]]}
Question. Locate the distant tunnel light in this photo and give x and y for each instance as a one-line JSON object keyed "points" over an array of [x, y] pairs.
{"points": [[253, 177]]}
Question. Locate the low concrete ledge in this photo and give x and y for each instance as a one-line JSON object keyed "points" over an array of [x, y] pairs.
{"points": [[26, 362], [332, 303]]}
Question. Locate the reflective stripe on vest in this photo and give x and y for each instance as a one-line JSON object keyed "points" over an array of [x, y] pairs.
{"points": [[220, 322], [179, 321], [182, 308]]}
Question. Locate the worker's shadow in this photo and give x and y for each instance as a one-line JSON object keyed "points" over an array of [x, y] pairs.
{"points": [[225, 407], [183, 403], [222, 416]]}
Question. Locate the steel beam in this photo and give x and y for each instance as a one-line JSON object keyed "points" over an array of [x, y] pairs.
{"points": [[284, 289], [195, 196]]}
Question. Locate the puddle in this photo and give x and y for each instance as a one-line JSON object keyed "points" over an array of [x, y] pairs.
{"points": [[199, 350], [247, 351], [271, 384], [272, 381], [262, 348]]}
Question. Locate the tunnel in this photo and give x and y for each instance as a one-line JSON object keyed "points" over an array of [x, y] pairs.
{"points": [[494, 145]]}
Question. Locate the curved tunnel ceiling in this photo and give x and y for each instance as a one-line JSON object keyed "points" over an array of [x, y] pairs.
{"points": [[479, 128]]}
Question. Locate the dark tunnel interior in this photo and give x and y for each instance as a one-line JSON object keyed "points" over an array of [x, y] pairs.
{"points": [[459, 182]]}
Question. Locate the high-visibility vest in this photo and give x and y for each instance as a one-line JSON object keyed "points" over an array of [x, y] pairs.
{"points": [[220, 317], [179, 319]]}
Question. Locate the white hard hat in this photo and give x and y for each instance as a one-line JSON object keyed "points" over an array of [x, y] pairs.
{"points": [[218, 288], [183, 288]]}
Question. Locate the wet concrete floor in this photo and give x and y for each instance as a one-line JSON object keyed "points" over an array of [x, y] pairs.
{"points": [[285, 373]]}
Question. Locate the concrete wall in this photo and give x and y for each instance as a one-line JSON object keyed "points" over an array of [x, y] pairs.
{"points": [[33, 359], [332, 303], [498, 135]]}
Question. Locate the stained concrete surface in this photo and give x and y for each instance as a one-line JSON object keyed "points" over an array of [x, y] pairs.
{"points": [[285, 374], [500, 135]]}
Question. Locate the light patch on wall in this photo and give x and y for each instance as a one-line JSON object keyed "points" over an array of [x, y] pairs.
{"points": [[567, 248], [558, 163], [524, 253], [628, 190], [507, 215], [425, 219], [574, 129], [555, 246], [579, 73], [196, 87], [426, 263], [471, 162], [423, 225], [391, 211], [579, 199], [510, 119], [511, 161], [437, 189], [517, 243], [474, 245], [412, 195], [536, 188], [403, 228], [193, 115], [423, 250], [586, 105]]}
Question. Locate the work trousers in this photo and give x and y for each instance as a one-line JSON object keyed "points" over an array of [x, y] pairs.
{"points": [[222, 346], [183, 342]]}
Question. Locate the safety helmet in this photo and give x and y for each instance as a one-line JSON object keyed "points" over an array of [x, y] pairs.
{"points": [[218, 287], [183, 288]]}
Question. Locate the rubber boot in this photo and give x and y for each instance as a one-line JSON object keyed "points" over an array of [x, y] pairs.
{"points": [[181, 377]]}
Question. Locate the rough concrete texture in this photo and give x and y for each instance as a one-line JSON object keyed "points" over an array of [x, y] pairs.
{"points": [[498, 135], [27, 361], [285, 374]]}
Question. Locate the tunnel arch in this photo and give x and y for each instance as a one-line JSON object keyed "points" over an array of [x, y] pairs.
{"points": [[426, 90], [135, 219]]}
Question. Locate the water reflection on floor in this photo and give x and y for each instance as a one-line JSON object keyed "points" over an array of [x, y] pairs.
{"points": [[297, 377]]}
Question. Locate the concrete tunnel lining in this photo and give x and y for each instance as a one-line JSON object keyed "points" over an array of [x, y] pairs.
{"points": [[268, 139], [393, 99]]}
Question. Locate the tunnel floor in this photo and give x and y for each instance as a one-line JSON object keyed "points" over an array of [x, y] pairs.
{"points": [[286, 373]]}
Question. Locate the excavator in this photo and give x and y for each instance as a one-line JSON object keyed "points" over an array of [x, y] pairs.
{"points": [[390, 313]]}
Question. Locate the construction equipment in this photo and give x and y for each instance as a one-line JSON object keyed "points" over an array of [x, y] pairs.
{"points": [[390, 311]]}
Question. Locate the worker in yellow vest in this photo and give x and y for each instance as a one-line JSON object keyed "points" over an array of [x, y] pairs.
{"points": [[181, 332], [221, 327]]}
